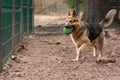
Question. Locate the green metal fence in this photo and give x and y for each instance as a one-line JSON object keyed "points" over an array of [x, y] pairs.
{"points": [[27, 16], [16, 21], [25, 19], [6, 33]]}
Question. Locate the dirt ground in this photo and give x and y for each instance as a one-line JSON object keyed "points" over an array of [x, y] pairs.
{"points": [[48, 56]]}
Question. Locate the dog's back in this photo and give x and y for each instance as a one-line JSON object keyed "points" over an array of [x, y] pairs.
{"points": [[94, 30]]}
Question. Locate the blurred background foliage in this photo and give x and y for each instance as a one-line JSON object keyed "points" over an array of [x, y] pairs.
{"points": [[71, 4]]}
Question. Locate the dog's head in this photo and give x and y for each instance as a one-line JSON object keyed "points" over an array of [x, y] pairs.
{"points": [[72, 23]]}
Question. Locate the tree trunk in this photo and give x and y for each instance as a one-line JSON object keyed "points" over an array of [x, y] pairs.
{"points": [[95, 10]]}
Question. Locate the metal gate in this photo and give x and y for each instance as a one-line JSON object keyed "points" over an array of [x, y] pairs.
{"points": [[16, 20]]}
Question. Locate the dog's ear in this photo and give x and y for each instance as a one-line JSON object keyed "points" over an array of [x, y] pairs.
{"points": [[74, 13], [69, 13]]}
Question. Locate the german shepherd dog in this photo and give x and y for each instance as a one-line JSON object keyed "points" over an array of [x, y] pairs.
{"points": [[88, 34]]}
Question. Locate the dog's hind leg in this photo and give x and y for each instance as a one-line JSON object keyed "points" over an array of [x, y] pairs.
{"points": [[100, 55], [94, 51]]}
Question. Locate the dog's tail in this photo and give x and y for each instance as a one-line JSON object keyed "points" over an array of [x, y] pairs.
{"points": [[108, 18]]}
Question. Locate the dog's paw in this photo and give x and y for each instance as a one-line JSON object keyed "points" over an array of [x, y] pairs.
{"points": [[80, 59], [94, 54], [75, 60], [106, 60]]}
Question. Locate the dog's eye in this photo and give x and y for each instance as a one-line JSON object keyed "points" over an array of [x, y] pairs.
{"points": [[73, 20]]}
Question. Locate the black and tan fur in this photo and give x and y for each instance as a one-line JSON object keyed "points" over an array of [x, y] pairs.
{"points": [[85, 34]]}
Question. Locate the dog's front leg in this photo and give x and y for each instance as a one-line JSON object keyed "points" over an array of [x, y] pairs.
{"points": [[79, 51], [94, 52], [78, 54]]}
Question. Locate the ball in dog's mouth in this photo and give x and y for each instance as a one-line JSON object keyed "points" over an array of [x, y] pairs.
{"points": [[67, 30]]}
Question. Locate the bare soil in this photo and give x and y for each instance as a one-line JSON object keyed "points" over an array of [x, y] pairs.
{"points": [[48, 56]]}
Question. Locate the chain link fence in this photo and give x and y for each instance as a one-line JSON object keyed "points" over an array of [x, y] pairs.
{"points": [[48, 7]]}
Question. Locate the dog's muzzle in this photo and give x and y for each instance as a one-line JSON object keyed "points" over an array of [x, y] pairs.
{"points": [[68, 29]]}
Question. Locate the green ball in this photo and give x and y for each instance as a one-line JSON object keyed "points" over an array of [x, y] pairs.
{"points": [[67, 30]]}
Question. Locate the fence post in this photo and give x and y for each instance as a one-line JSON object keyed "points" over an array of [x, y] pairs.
{"points": [[0, 35], [27, 17], [33, 16], [21, 22], [13, 25]]}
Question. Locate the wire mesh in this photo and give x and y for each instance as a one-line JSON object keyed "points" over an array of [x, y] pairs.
{"points": [[14, 22]]}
